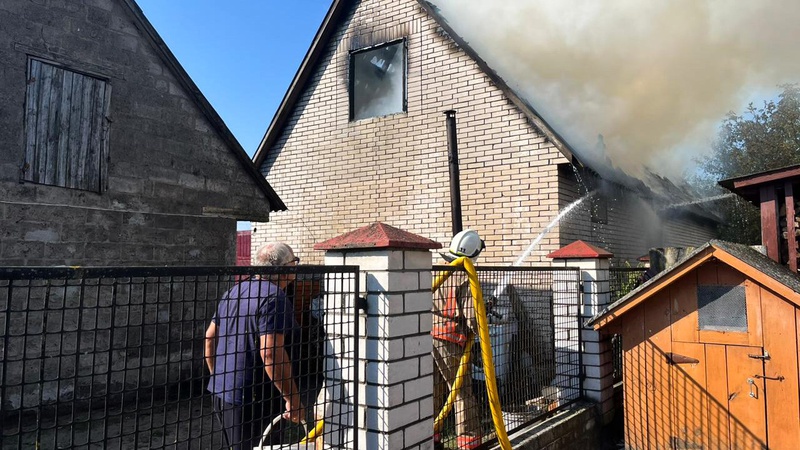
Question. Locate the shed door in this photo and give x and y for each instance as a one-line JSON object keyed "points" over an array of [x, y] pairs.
{"points": [[737, 410]]}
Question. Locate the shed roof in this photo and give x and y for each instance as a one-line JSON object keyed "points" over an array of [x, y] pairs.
{"points": [[746, 260], [169, 59]]}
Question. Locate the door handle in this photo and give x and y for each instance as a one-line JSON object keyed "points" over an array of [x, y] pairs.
{"points": [[753, 388], [764, 357]]}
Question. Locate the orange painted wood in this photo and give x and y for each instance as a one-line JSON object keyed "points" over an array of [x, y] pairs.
{"points": [[688, 399], [780, 340], [755, 325], [683, 302], [756, 275], [728, 276], [633, 363], [707, 274], [651, 290], [658, 344], [748, 422], [718, 425]]}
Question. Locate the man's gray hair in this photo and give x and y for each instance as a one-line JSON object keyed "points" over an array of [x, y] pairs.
{"points": [[274, 254]]}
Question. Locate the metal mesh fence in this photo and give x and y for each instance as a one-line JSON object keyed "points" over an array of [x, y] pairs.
{"points": [[533, 317], [622, 280], [119, 358]]}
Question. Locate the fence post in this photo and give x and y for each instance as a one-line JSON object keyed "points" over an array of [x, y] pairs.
{"points": [[596, 351], [395, 406]]}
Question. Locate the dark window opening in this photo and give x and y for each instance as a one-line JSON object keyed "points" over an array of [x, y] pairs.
{"points": [[378, 81], [66, 127], [722, 308]]}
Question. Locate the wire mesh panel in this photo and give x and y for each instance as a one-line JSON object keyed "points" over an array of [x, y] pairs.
{"points": [[533, 321], [622, 280], [175, 358]]}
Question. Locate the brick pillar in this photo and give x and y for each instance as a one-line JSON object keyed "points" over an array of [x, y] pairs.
{"points": [[596, 354], [395, 407]]}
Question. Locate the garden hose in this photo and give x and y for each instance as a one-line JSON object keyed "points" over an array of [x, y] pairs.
{"points": [[314, 432], [486, 356]]}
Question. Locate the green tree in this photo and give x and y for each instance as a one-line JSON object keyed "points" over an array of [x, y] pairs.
{"points": [[761, 138]]}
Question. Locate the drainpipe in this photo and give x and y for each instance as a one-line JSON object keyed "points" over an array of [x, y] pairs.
{"points": [[452, 159]]}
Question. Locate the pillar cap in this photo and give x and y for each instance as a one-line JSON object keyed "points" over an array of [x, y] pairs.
{"points": [[580, 250], [377, 236]]}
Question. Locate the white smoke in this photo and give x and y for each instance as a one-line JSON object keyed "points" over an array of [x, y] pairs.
{"points": [[654, 77]]}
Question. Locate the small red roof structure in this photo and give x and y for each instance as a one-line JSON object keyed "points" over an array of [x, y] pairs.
{"points": [[580, 250], [377, 235]]}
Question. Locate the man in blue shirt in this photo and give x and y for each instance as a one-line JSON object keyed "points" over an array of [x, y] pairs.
{"points": [[251, 334]]}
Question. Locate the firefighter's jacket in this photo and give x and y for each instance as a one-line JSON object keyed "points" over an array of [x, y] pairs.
{"points": [[453, 312]]}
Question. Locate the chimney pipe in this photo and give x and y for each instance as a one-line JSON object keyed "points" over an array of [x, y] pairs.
{"points": [[452, 159]]}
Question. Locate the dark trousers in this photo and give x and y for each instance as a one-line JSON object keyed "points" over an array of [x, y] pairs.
{"points": [[244, 424], [240, 423]]}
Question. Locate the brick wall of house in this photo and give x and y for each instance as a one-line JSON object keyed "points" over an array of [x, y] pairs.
{"points": [[166, 163], [336, 175]]}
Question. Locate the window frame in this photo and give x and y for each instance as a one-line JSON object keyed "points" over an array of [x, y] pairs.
{"points": [[103, 132], [351, 77]]}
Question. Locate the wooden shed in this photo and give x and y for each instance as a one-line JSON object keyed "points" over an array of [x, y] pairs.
{"points": [[710, 353]]}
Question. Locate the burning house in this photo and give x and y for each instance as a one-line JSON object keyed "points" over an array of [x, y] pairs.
{"points": [[364, 119]]}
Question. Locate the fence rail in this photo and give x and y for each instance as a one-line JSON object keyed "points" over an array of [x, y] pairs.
{"points": [[535, 340], [114, 357]]}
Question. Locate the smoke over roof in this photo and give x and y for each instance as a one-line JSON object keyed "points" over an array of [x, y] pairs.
{"points": [[642, 84]]}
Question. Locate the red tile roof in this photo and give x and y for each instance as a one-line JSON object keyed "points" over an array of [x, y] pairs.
{"points": [[375, 236], [580, 249]]}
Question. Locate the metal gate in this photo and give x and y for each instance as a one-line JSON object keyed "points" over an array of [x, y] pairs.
{"points": [[534, 328]]}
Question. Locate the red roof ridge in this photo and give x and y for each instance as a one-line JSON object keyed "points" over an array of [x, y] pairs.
{"points": [[580, 249], [375, 236]]}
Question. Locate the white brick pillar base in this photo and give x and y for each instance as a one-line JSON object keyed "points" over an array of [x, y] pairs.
{"points": [[596, 352], [395, 409]]}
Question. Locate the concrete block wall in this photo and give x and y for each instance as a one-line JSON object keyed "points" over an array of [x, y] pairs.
{"points": [[167, 161], [395, 381], [92, 344], [394, 169]]}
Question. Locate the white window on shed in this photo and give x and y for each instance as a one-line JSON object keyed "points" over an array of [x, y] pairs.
{"points": [[66, 128], [378, 81]]}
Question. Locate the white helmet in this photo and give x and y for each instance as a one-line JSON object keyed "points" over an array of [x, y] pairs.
{"points": [[466, 243]]}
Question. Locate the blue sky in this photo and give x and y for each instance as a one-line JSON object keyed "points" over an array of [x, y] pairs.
{"points": [[242, 54]]}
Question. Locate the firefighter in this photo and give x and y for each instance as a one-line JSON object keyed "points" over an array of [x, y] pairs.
{"points": [[454, 324]]}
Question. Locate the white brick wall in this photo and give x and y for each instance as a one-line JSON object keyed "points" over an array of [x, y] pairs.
{"points": [[335, 175], [395, 379]]}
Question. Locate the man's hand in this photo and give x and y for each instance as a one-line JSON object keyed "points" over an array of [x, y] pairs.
{"points": [[294, 410]]}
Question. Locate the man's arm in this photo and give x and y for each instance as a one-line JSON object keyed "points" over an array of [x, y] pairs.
{"points": [[279, 368], [210, 346]]}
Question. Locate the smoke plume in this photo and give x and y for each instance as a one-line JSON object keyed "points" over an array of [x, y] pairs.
{"points": [[655, 78]]}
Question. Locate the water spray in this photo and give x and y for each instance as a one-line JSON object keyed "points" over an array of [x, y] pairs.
{"points": [[702, 200], [563, 213]]}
